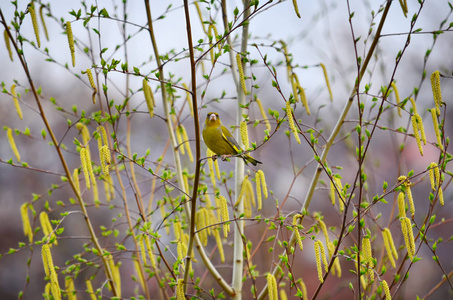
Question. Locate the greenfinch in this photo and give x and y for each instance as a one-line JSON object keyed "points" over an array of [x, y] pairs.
{"points": [[220, 140]]}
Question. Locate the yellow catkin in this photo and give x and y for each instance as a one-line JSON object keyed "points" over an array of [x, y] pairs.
{"points": [[225, 217], [92, 84], [441, 196], [392, 244], [105, 160], [408, 234], [8, 44], [431, 178], [263, 183], [251, 193], [263, 114], [247, 203], [401, 205], [178, 132], [368, 256], [141, 243], [200, 222], [180, 288], [26, 222], [336, 270], [421, 128], [109, 189], [209, 219], [186, 142], [292, 126], [209, 153], [50, 271], [303, 290], [115, 274], [303, 99], [149, 249], [296, 231], [186, 182], [83, 161], [90, 167], [211, 49], [41, 15], [389, 246], [296, 8], [435, 85], [70, 42], [47, 291], [70, 289], [283, 295], [410, 199], [243, 193], [219, 243], [85, 158], [414, 106], [272, 287], [332, 192], [433, 169], [34, 21], [188, 98], [397, 97], [90, 290], [246, 194], [324, 229], [259, 196], [203, 69], [340, 195], [105, 141], [323, 256], [326, 77], [415, 126], [177, 230], [287, 60], [149, 97], [180, 249], [75, 178], [164, 218], [16, 101], [436, 129], [294, 84], [241, 73], [200, 16], [245, 135], [84, 132], [139, 273], [318, 260], [47, 227], [386, 289], [12, 143], [217, 169], [216, 35]]}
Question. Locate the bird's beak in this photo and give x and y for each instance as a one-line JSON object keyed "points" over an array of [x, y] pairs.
{"points": [[212, 117]]}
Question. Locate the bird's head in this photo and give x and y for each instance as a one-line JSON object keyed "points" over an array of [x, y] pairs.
{"points": [[212, 119]]}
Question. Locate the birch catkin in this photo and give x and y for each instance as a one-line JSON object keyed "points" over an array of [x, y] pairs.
{"points": [[34, 21], [70, 41], [241, 73]]}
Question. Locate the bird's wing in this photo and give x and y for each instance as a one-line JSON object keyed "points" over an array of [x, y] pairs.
{"points": [[228, 137]]}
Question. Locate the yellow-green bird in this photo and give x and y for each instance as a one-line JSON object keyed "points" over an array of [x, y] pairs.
{"points": [[220, 140]]}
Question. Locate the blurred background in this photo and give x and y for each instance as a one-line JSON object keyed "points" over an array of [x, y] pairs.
{"points": [[321, 35]]}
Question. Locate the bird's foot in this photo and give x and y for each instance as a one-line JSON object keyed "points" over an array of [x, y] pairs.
{"points": [[225, 157]]}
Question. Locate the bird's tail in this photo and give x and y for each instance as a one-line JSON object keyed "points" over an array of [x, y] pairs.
{"points": [[248, 158]]}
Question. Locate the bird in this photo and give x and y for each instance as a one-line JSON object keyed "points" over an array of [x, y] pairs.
{"points": [[220, 140]]}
